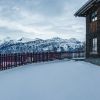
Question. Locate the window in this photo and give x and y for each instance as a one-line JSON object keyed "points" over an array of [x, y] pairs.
{"points": [[94, 49], [94, 16]]}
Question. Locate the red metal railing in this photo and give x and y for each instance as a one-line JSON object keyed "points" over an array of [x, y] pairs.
{"points": [[8, 61]]}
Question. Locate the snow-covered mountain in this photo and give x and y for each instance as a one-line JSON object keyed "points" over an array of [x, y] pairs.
{"points": [[39, 45], [23, 39]]}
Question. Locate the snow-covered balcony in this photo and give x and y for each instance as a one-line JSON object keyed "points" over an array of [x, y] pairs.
{"points": [[57, 80]]}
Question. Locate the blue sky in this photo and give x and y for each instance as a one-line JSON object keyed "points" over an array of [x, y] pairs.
{"points": [[41, 19]]}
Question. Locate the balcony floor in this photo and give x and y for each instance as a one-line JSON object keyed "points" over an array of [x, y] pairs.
{"points": [[58, 80]]}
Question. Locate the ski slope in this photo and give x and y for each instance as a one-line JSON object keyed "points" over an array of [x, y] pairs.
{"points": [[59, 80]]}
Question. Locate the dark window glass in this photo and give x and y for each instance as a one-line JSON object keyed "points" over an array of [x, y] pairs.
{"points": [[94, 16]]}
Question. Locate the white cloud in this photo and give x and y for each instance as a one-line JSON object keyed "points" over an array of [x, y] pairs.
{"points": [[36, 18], [16, 26]]}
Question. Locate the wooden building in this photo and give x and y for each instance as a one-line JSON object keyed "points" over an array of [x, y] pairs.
{"points": [[91, 10]]}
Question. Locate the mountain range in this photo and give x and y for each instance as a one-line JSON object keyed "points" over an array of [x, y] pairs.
{"points": [[56, 44]]}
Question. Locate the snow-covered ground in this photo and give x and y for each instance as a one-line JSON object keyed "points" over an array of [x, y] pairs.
{"points": [[59, 80]]}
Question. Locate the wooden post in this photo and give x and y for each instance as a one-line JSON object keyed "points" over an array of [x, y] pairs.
{"points": [[33, 57], [10, 61], [15, 58], [42, 56], [3, 61], [36, 57], [0, 61], [21, 58]]}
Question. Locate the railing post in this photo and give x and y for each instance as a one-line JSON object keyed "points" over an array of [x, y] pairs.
{"points": [[38, 57], [18, 59], [42, 57], [24, 58], [10, 61], [0, 62], [33, 57], [15, 60], [46, 56], [3, 61]]}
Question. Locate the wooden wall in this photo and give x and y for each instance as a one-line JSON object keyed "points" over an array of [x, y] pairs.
{"points": [[92, 31]]}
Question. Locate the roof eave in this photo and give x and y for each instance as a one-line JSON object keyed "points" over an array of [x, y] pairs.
{"points": [[82, 11]]}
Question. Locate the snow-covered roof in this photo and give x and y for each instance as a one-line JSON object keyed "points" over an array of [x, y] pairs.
{"points": [[89, 4]]}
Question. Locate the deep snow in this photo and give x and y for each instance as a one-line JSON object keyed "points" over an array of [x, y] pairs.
{"points": [[59, 80]]}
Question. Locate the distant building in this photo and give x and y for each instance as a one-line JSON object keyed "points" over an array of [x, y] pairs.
{"points": [[91, 10]]}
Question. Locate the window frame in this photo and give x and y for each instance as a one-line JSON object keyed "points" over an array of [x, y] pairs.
{"points": [[94, 45], [94, 16]]}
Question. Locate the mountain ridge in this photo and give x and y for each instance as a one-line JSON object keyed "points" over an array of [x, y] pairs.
{"points": [[55, 44]]}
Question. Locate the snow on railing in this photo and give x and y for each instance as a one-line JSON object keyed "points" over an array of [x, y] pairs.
{"points": [[8, 61]]}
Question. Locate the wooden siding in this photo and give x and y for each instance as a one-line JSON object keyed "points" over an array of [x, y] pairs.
{"points": [[92, 31], [93, 27]]}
